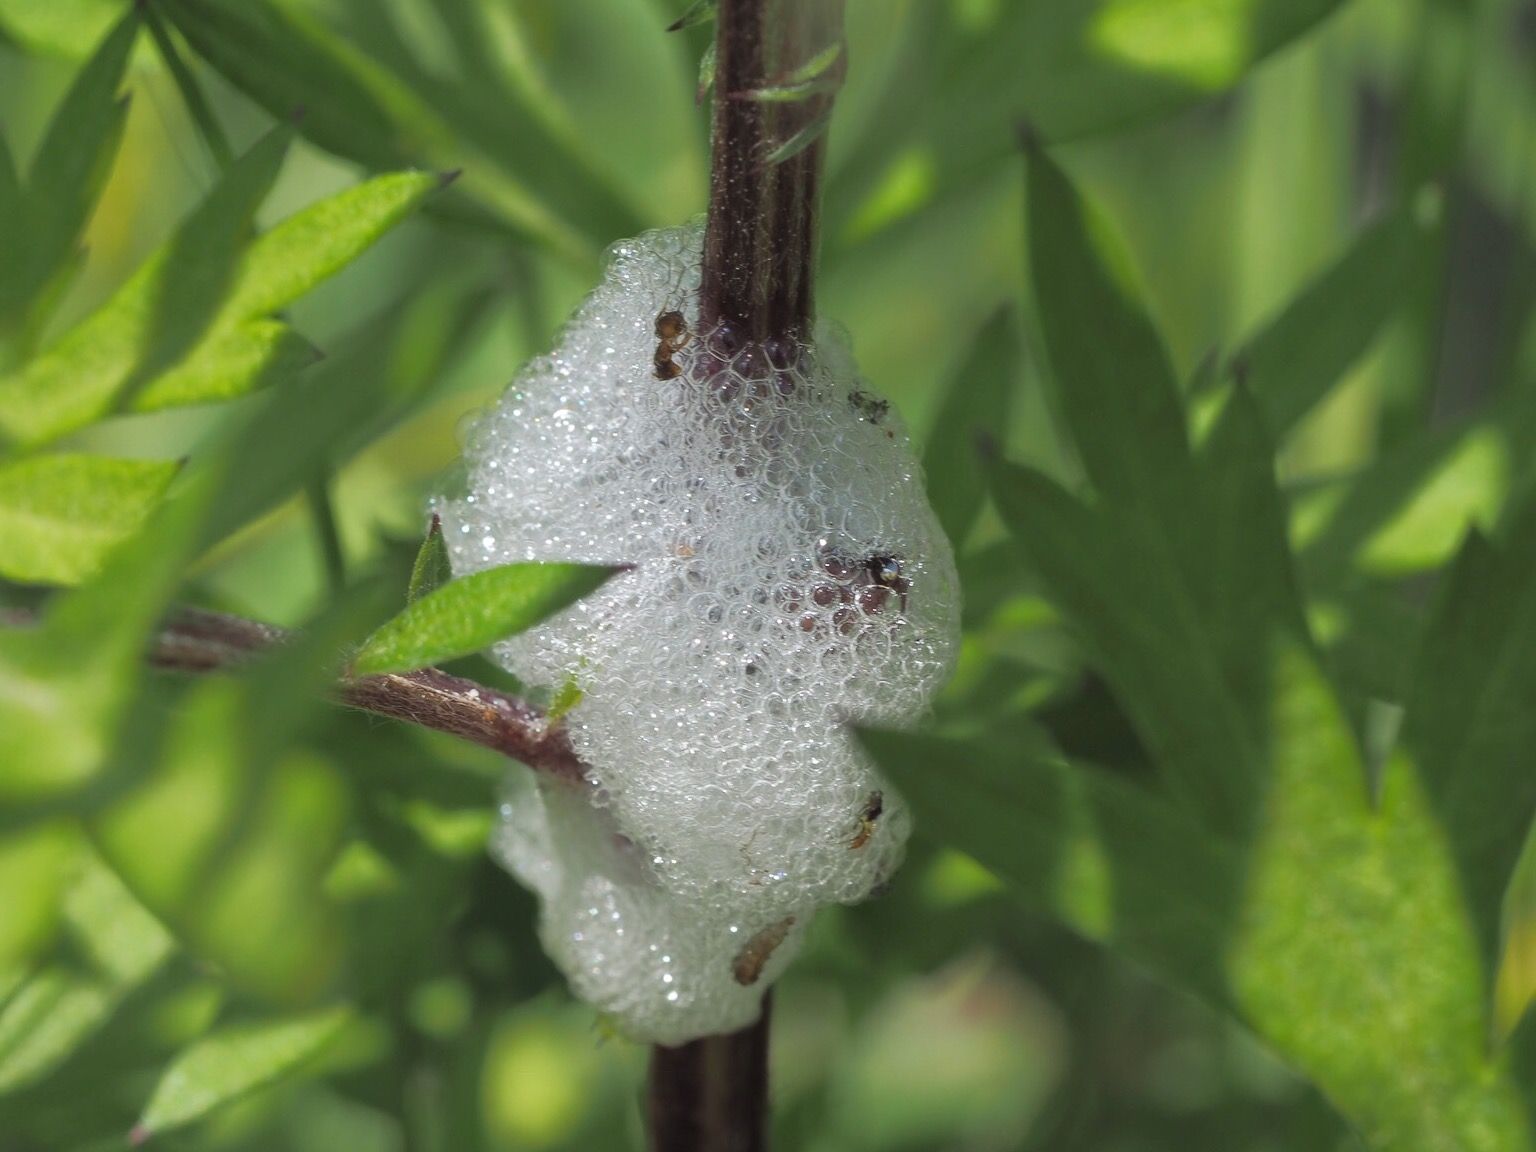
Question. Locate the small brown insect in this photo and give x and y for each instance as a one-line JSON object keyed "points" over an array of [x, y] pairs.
{"points": [[869, 816], [748, 966], [672, 336]]}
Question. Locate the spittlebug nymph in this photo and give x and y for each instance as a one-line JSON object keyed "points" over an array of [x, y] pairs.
{"points": [[748, 966], [869, 816], [671, 335]]}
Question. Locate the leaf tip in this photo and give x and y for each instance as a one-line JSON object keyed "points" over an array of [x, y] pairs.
{"points": [[138, 1135], [296, 114], [447, 178]]}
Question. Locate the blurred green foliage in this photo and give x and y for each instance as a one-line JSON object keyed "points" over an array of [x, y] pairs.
{"points": [[1243, 705]]}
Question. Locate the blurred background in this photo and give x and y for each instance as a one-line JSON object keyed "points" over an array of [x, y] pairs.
{"points": [[941, 1016]]}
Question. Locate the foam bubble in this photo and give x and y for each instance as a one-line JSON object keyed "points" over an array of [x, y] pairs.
{"points": [[789, 578]]}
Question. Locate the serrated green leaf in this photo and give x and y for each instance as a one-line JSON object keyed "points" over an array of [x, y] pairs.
{"points": [[1470, 727], [1298, 357], [1115, 864], [152, 321], [474, 612], [233, 1062], [69, 169], [117, 945], [200, 265], [431, 568], [975, 407], [61, 515], [1336, 932], [316, 242], [244, 358], [87, 371]]}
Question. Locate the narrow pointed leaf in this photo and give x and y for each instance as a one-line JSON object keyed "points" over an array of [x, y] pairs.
{"points": [[1300, 355], [976, 407], [61, 515], [117, 946], [86, 373], [1115, 384], [698, 12], [431, 569], [1115, 864], [152, 321], [474, 612], [1470, 726], [316, 242], [233, 1062], [72, 163], [245, 358]]}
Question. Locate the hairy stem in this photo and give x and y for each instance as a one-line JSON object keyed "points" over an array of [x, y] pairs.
{"points": [[760, 240]]}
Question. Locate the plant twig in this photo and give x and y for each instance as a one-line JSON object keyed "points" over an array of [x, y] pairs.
{"points": [[711, 1094], [777, 67], [760, 239], [195, 641]]}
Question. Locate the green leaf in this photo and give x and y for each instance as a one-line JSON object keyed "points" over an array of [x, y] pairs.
{"points": [[975, 407], [1470, 727], [1296, 358], [117, 945], [70, 167], [61, 515], [284, 58], [228, 846], [1114, 863], [699, 12], [202, 258], [316, 242], [431, 569], [1396, 1034], [1115, 384], [245, 358], [1410, 509], [152, 321], [70, 28], [233, 1062], [474, 612], [1183, 559], [126, 345], [33, 870]]}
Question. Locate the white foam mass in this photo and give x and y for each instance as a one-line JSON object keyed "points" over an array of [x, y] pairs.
{"points": [[788, 578]]}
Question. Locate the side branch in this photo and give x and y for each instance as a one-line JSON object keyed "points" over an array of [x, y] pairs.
{"points": [[195, 641]]}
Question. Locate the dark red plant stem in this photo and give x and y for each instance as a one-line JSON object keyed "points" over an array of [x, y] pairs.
{"points": [[756, 288], [712, 1093], [760, 239], [192, 640]]}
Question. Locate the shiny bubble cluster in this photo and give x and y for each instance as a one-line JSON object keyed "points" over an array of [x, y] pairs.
{"points": [[788, 579]]}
